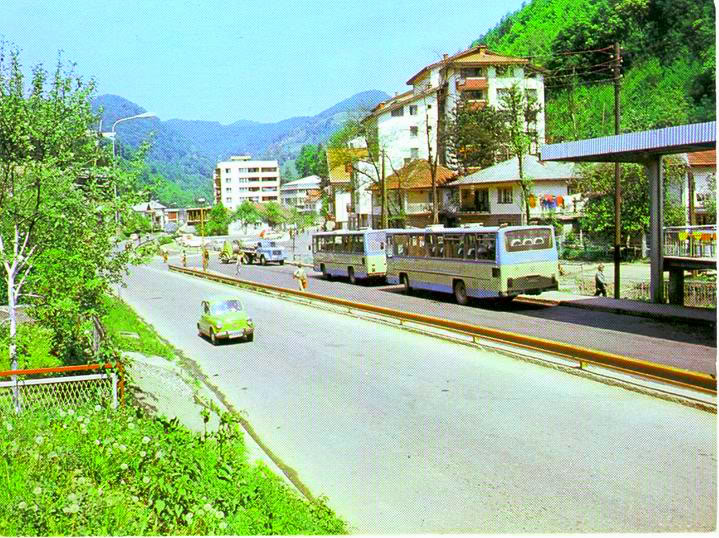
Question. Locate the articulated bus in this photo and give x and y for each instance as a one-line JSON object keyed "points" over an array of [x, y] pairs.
{"points": [[354, 254], [500, 262]]}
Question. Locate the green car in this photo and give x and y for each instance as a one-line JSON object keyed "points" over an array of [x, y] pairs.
{"points": [[225, 318]]}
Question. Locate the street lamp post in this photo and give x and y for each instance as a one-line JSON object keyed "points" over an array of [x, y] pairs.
{"points": [[111, 136]]}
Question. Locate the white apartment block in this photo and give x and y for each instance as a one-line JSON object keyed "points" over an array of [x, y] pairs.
{"points": [[297, 193], [406, 121], [242, 178]]}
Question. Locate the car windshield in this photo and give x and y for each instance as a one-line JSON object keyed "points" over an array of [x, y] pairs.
{"points": [[232, 305]]}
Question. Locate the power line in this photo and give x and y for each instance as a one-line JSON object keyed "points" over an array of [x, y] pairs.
{"points": [[586, 83]]}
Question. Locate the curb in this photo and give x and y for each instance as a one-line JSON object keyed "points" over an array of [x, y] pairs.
{"points": [[639, 313]]}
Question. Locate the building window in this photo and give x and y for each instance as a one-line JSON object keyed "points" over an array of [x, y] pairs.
{"points": [[269, 169], [413, 131], [503, 71], [414, 153], [228, 171], [474, 95], [228, 189], [504, 196], [253, 170], [398, 111], [412, 110], [228, 199], [468, 72]]}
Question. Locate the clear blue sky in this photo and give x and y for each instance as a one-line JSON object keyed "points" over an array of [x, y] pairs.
{"points": [[258, 60]]}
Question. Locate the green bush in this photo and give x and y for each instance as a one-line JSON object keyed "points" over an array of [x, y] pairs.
{"points": [[165, 239], [97, 471], [34, 346]]}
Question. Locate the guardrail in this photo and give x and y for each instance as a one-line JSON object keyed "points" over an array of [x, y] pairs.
{"points": [[677, 376], [690, 241]]}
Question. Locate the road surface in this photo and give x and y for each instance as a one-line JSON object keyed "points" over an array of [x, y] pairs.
{"points": [[409, 434]]}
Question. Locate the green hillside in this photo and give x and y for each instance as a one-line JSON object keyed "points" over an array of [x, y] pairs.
{"points": [[668, 68]]}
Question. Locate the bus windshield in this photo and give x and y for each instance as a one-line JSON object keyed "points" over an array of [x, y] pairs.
{"points": [[530, 239]]}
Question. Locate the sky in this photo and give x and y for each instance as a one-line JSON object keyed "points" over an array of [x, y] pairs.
{"points": [[255, 60]]}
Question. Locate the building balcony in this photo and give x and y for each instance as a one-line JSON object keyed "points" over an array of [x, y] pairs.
{"points": [[464, 84]]}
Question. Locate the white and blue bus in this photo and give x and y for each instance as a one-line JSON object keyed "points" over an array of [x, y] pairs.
{"points": [[495, 261], [352, 254]]}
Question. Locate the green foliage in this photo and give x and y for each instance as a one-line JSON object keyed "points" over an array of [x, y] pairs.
{"points": [[476, 136], [217, 221], [120, 318], [598, 181], [136, 223], [247, 213], [94, 471], [34, 347], [312, 161], [57, 193], [709, 196], [273, 214], [668, 52]]}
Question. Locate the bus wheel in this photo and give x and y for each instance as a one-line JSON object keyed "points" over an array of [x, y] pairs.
{"points": [[405, 283], [325, 274], [351, 274], [460, 293], [263, 260]]}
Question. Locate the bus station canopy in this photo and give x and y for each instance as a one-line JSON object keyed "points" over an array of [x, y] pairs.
{"points": [[638, 147]]}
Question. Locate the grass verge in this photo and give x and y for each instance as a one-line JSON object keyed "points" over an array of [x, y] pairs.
{"points": [[121, 319], [98, 471]]}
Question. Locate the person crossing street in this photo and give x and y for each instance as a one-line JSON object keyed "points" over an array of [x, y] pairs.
{"points": [[238, 264], [301, 278]]}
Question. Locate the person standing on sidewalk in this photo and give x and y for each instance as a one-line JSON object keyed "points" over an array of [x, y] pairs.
{"points": [[600, 281], [205, 258], [184, 258], [301, 277]]}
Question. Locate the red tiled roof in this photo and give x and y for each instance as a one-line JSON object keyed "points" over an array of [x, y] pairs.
{"points": [[703, 158], [417, 175]]}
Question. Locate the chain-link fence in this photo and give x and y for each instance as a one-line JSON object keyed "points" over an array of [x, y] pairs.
{"points": [[17, 395]]}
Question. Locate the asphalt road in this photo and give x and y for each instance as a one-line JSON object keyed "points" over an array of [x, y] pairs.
{"points": [[683, 345], [410, 434]]}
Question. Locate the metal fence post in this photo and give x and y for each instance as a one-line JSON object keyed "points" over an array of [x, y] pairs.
{"points": [[114, 390], [16, 395]]}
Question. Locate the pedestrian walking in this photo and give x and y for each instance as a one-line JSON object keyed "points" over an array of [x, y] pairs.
{"points": [[238, 264], [205, 258], [184, 258], [301, 278], [600, 281], [164, 255]]}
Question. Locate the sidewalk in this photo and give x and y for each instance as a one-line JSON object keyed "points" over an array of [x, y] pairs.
{"points": [[633, 307]]}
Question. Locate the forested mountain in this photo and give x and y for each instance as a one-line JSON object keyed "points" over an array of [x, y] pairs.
{"points": [[185, 152], [668, 61]]}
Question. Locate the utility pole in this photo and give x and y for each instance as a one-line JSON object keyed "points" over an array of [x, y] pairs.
{"points": [[617, 176], [385, 209]]}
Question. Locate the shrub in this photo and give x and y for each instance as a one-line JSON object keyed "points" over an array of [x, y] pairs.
{"points": [[98, 471], [34, 346]]}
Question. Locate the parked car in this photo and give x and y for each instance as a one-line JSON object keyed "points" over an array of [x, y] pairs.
{"points": [[224, 318]]}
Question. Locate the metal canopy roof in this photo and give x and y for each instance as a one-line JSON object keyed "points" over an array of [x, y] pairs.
{"points": [[635, 147]]}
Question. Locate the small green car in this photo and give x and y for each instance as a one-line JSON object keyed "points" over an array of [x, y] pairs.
{"points": [[225, 318]]}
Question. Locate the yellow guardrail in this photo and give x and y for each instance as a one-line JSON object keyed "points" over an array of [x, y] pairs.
{"points": [[678, 376]]}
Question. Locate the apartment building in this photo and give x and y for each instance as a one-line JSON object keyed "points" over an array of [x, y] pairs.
{"points": [[407, 124], [297, 193], [242, 178]]}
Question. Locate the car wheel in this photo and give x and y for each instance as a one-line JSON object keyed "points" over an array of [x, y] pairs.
{"points": [[405, 283], [250, 337], [263, 260], [460, 293], [351, 274], [213, 337], [282, 262]]}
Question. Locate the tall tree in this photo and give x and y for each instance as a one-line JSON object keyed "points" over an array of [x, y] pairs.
{"points": [[58, 243], [522, 110], [247, 214]]}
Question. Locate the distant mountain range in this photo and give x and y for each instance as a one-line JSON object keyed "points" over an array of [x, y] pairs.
{"points": [[185, 151]]}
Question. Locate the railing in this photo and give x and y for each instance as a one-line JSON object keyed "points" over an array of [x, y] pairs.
{"points": [[690, 241], [17, 395]]}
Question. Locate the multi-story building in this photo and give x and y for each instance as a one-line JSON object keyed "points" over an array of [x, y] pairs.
{"points": [[241, 179], [407, 124], [296, 193]]}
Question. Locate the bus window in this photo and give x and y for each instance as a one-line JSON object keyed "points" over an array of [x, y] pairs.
{"points": [[359, 244], [453, 246], [421, 246], [375, 242], [439, 246], [429, 243], [400, 245], [530, 239], [337, 243], [470, 247], [486, 247]]}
